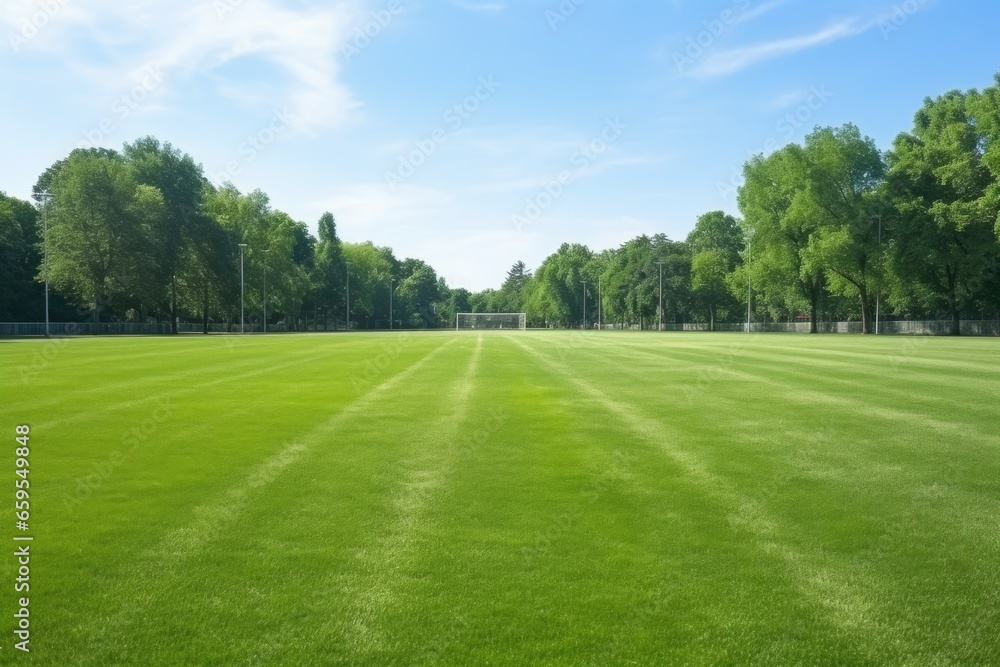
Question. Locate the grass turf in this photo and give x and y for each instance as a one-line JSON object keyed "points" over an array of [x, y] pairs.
{"points": [[507, 498]]}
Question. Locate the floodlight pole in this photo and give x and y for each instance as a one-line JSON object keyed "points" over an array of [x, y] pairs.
{"points": [[242, 317], [45, 196], [599, 324], [749, 278], [661, 294], [878, 292], [348, 265], [265, 289], [390, 304], [584, 303]]}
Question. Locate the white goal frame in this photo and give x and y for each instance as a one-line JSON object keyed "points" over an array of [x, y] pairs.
{"points": [[481, 321]]}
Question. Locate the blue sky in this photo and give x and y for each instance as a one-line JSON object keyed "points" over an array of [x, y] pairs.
{"points": [[473, 133]]}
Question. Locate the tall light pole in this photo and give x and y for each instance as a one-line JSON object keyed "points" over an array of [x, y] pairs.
{"points": [[348, 265], [265, 289], [390, 304], [45, 196], [584, 303], [242, 319], [661, 294], [749, 285], [878, 292]]}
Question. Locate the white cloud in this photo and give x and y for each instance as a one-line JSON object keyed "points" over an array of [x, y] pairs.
{"points": [[223, 40], [723, 63], [758, 11]]}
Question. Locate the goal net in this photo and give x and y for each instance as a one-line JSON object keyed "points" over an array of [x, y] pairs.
{"points": [[490, 321]]}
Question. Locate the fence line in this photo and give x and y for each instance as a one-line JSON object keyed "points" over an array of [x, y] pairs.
{"points": [[920, 328], [912, 327]]}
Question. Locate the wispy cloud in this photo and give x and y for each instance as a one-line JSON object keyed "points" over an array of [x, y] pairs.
{"points": [[758, 11], [724, 63], [238, 46]]}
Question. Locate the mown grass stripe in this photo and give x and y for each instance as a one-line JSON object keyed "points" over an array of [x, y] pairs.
{"points": [[136, 591], [849, 607]]}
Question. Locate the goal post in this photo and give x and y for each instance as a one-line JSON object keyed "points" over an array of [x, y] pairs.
{"points": [[490, 321]]}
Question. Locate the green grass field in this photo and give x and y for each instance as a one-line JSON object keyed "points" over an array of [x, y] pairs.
{"points": [[506, 498]]}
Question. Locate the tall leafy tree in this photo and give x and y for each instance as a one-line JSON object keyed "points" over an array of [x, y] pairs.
{"points": [[329, 273], [276, 248], [944, 215], [182, 183], [21, 297], [370, 272], [418, 293], [102, 230], [780, 223], [514, 288], [557, 296], [715, 244], [845, 171], [206, 271]]}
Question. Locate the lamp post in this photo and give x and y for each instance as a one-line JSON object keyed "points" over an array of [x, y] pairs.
{"points": [[584, 303], [749, 279], [242, 319], [45, 196], [661, 294], [878, 292], [348, 265], [390, 304], [265, 289]]}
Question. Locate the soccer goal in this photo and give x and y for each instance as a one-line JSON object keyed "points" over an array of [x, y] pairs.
{"points": [[490, 321]]}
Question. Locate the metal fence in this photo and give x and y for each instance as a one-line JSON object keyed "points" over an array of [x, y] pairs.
{"points": [[920, 328]]}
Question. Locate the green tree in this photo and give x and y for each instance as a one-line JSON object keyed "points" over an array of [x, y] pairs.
{"points": [[206, 271], [715, 244], [370, 271], [514, 287], [418, 293], [944, 216], [779, 225], [558, 292], [276, 246], [182, 183], [329, 272], [845, 171], [22, 297], [102, 230]]}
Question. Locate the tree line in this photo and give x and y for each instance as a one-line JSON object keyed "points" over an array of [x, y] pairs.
{"points": [[830, 229], [141, 235]]}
